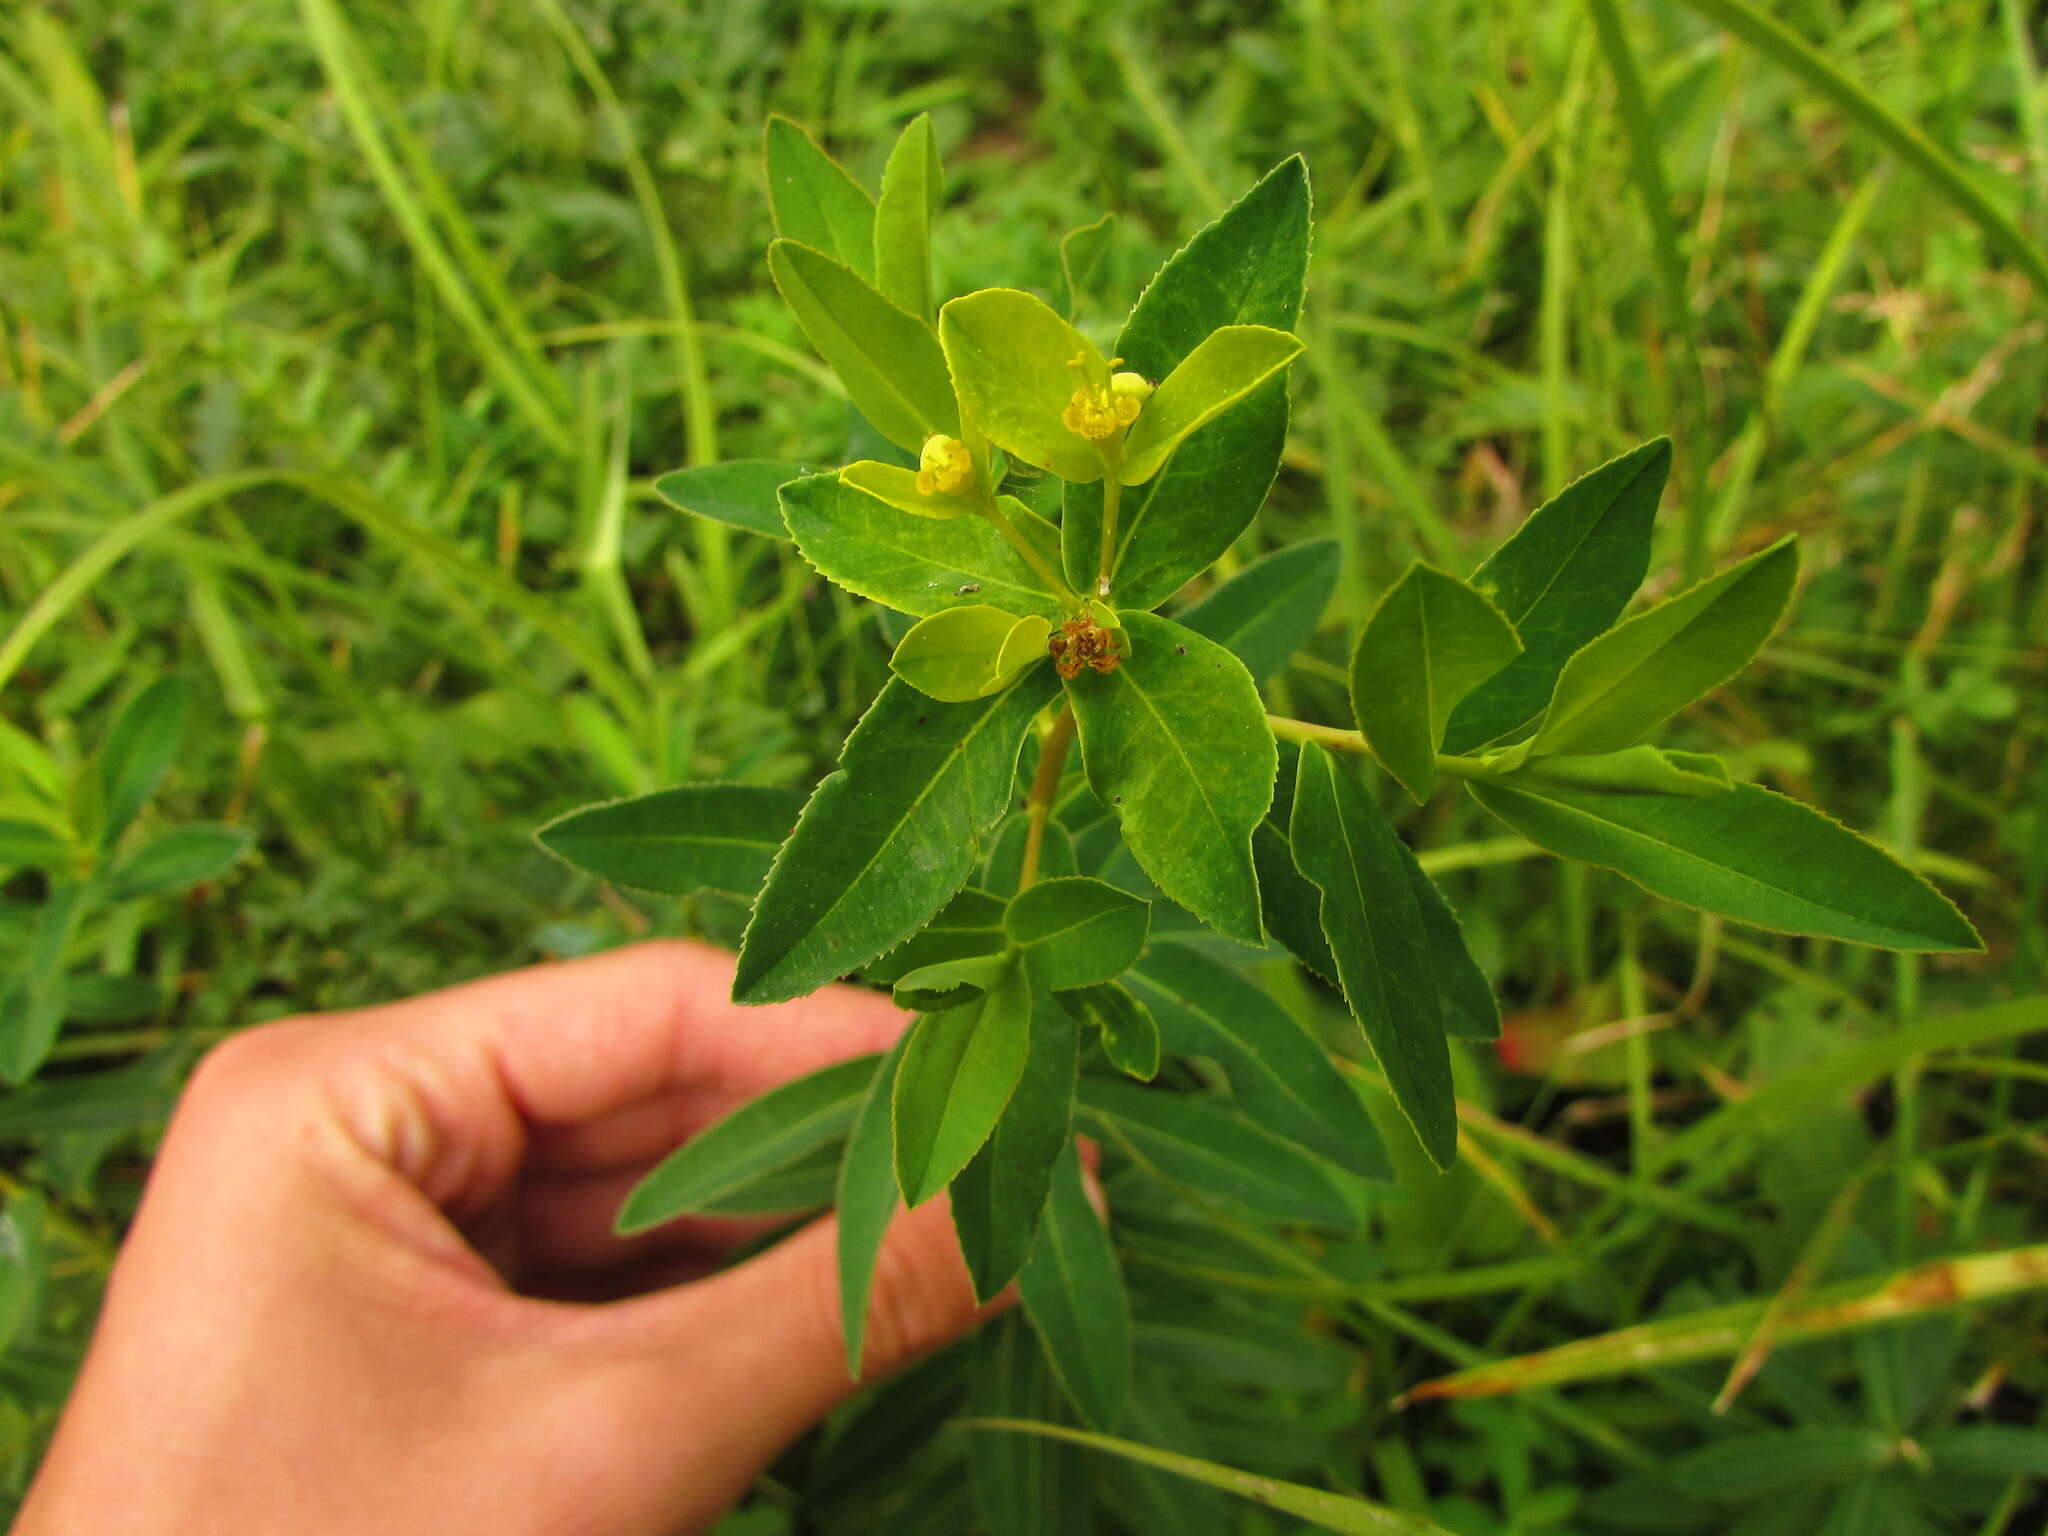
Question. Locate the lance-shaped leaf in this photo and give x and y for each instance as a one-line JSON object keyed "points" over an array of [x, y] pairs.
{"points": [[36, 846], [1016, 365], [1293, 907], [951, 983], [959, 1069], [1748, 854], [696, 837], [1203, 1144], [1562, 579], [182, 857], [1073, 1292], [970, 924], [999, 1194], [969, 652], [912, 183], [867, 1198], [1076, 932], [1429, 643], [1247, 268], [897, 485], [888, 360], [32, 1000], [1268, 610], [886, 840], [1280, 1077], [1370, 915], [1640, 673], [1175, 742], [1023, 1485], [141, 744], [1471, 1011], [1632, 771], [815, 201], [1082, 253], [739, 493], [808, 1184], [1225, 366], [776, 1129], [1130, 1035], [916, 564]]}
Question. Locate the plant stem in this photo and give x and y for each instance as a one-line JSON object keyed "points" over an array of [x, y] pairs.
{"points": [[1045, 788], [1032, 557], [1112, 503], [1338, 739]]}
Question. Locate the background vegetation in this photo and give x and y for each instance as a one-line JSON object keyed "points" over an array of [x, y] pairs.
{"points": [[339, 345]]}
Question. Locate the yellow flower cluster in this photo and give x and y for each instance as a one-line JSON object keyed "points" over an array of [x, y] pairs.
{"points": [[943, 466], [1102, 411]]}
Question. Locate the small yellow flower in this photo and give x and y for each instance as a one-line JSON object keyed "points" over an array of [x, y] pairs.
{"points": [[943, 466]]}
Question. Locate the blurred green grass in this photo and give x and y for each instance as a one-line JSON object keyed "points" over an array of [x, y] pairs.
{"points": [[356, 334]]}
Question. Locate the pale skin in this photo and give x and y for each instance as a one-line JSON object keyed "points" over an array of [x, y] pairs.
{"points": [[373, 1286]]}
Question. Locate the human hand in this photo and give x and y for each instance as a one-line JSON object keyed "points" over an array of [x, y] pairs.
{"points": [[341, 1306]]}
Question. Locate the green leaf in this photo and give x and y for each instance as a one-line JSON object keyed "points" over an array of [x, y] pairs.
{"points": [[885, 842], [32, 1000], [1247, 268], [1006, 858], [141, 744], [1781, 1461], [1471, 1011], [1268, 610], [1073, 1293], [867, 1199], [1175, 741], [1748, 854], [1341, 1512], [1076, 932], [1082, 252], [912, 184], [1632, 771], [916, 564], [1281, 1078], [969, 652], [889, 361], [1023, 1486], [739, 493], [699, 836], [970, 924], [807, 1184], [1640, 673], [816, 202], [1225, 366], [1204, 1145], [25, 843], [1016, 365], [1130, 1035], [1562, 579], [998, 1196], [1344, 846], [770, 1132], [958, 1072], [1293, 907], [951, 983], [896, 484], [1988, 1450], [185, 856], [1429, 643], [23, 1263]]}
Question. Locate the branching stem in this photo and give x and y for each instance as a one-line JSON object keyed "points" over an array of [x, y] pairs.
{"points": [[1045, 788]]}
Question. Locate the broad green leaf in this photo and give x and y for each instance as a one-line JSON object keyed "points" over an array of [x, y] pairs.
{"points": [[1225, 366], [815, 201], [1429, 643], [1076, 932], [889, 361], [695, 837], [1016, 365], [1748, 854], [1175, 741], [912, 183], [1471, 1011], [1204, 1145], [1073, 1293], [28, 843], [999, 1194], [1644, 671], [1130, 1035], [740, 493], [1247, 268], [1631, 771], [1023, 1486], [1342, 1512], [897, 485], [141, 744], [958, 1071], [1082, 252], [886, 840], [970, 924], [1562, 579], [951, 983], [1281, 1078], [1370, 915], [182, 857], [867, 1198], [917, 564], [770, 1132], [1268, 610], [32, 999], [969, 652], [1782, 1460]]}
